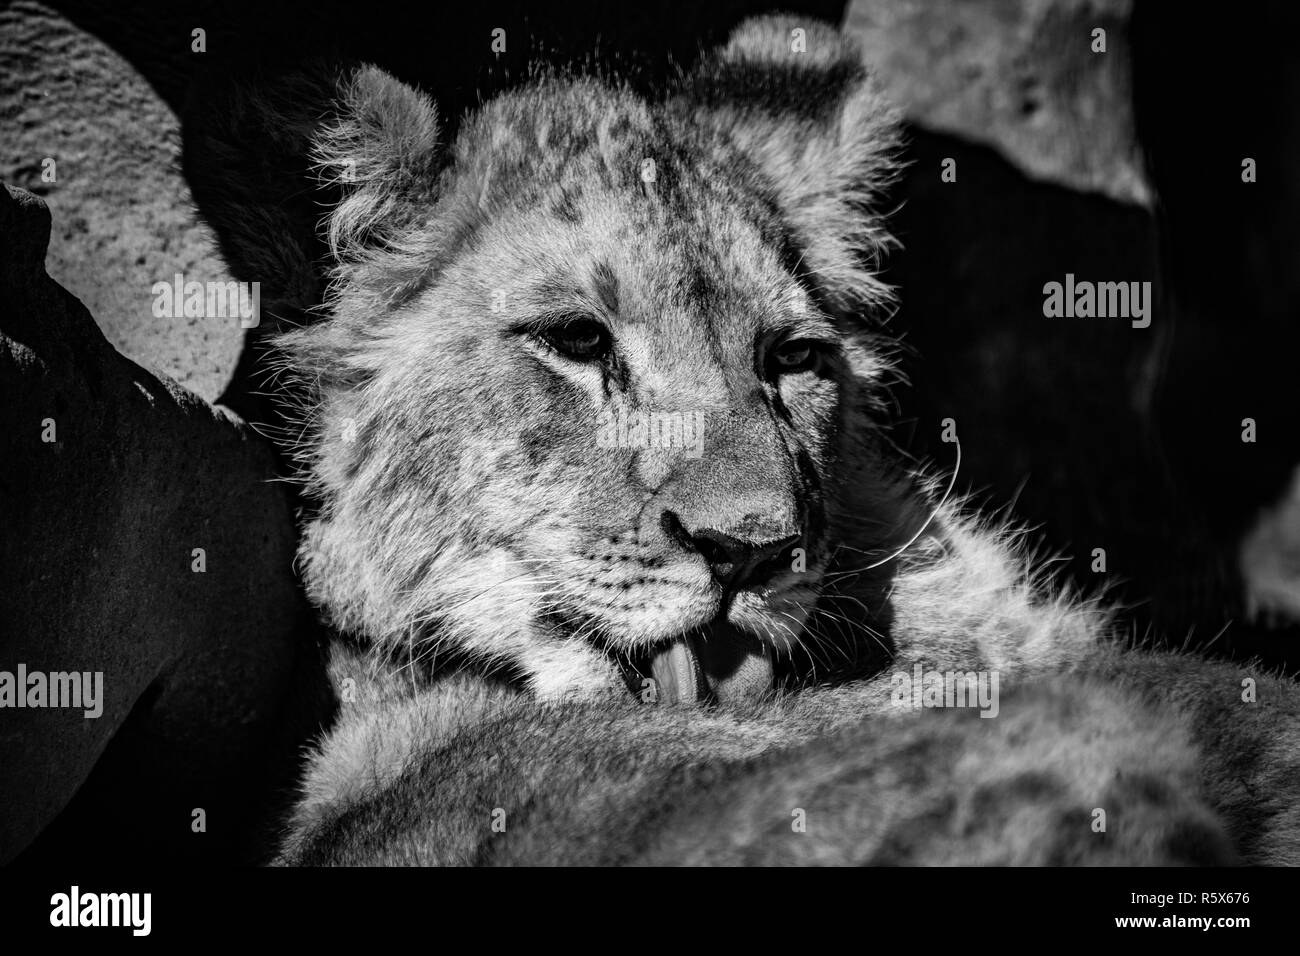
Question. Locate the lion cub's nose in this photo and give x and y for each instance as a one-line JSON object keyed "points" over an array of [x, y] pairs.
{"points": [[741, 552]]}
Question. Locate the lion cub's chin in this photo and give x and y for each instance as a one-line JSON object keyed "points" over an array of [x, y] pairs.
{"points": [[713, 662]]}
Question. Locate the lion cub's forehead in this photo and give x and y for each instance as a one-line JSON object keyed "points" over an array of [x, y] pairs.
{"points": [[577, 134], [636, 269], [588, 198]]}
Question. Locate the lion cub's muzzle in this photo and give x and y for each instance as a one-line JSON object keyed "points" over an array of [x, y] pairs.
{"points": [[717, 661], [743, 510]]}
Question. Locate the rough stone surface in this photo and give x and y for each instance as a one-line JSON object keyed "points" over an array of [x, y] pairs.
{"points": [[212, 680], [123, 214], [1018, 75]]}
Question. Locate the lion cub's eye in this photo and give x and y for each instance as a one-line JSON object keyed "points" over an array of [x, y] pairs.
{"points": [[796, 355], [580, 339]]}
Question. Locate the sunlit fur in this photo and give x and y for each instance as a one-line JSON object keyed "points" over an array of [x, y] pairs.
{"points": [[466, 507]]}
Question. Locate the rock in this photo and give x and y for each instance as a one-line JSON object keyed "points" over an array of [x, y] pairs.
{"points": [[1269, 559], [124, 213], [1019, 76], [113, 479]]}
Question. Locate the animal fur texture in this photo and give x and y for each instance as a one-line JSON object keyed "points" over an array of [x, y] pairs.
{"points": [[514, 587]]}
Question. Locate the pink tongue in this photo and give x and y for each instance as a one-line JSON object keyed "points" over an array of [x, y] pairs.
{"points": [[733, 667]]}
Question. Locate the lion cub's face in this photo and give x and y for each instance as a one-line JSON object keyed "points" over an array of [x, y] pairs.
{"points": [[628, 411], [605, 419]]}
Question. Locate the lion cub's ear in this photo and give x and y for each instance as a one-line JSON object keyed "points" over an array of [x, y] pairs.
{"points": [[382, 152], [267, 152], [795, 95]]}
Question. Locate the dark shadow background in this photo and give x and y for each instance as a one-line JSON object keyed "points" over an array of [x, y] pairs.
{"points": [[1101, 435]]}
